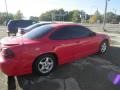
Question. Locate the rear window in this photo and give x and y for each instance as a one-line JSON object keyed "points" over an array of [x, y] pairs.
{"points": [[38, 32], [35, 25], [32, 26]]}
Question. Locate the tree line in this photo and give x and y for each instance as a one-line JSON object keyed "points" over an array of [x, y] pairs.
{"points": [[78, 16], [5, 17]]}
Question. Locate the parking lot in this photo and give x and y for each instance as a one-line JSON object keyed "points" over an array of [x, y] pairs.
{"points": [[96, 72]]}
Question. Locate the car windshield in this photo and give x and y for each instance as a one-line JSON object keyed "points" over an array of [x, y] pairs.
{"points": [[38, 32]]}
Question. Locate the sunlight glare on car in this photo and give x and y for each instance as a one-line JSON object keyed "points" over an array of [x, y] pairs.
{"points": [[116, 80]]}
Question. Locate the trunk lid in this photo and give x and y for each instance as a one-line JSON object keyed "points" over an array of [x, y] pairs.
{"points": [[10, 41]]}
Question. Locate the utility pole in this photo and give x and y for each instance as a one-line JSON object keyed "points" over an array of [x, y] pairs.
{"points": [[104, 20], [115, 11], [6, 11], [53, 16], [6, 7]]}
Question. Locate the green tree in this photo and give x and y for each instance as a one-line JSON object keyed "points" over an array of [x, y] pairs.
{"points": [[83, 16], [93, 19], [118, 19], [87, 17], [70, 15], [34, 19], [61, 15], [18, 15], [45, 17], [98, 16], [76, 16], [110, 17], [57, 15], [4, 17]]}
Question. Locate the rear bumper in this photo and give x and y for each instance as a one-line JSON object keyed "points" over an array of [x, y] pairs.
{"points": [[13, 67]]}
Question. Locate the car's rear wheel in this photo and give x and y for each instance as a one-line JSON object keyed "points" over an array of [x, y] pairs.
{"points": [[44, 64], [104, 47]]}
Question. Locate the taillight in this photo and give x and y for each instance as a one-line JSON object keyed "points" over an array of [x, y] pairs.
{"points": [[7, 53]]}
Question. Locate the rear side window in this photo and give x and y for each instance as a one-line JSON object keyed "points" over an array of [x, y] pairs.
{"points": [[70, 32], [38, 32]]}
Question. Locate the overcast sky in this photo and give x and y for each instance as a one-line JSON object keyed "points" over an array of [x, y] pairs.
{"points": [[36, 7]]}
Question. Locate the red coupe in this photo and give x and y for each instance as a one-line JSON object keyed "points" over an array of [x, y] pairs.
{"points": [[48, 46]]}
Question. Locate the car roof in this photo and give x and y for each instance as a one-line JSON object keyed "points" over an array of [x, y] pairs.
{"points": [[55, 25]]}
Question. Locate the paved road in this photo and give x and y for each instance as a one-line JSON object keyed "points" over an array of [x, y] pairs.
{"points": [[92, 73]]}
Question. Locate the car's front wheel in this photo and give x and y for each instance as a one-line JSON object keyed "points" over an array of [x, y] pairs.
{"points": [[104, 47], [44, 64]]}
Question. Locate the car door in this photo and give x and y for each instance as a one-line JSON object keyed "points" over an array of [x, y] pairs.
{"points": [[65, 46], [86, 46], [86, 41]]}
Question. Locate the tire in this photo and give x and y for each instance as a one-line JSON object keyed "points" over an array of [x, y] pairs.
{"points": [[44, 64], [104, 46]]}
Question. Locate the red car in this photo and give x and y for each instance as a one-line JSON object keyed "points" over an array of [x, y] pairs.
{"points": [[48, 46]]}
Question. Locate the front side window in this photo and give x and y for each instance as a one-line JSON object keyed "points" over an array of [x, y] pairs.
{"points": [[70, 32]]}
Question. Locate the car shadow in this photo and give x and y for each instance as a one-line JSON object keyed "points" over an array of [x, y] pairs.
{"points": [[80, 75], [113, 55]]}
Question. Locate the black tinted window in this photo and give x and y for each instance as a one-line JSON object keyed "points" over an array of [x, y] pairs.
{"points": [[70, 32], [38, 32]]}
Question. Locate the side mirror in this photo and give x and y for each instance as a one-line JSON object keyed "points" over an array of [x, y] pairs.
{"points": [[92, 34]]}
